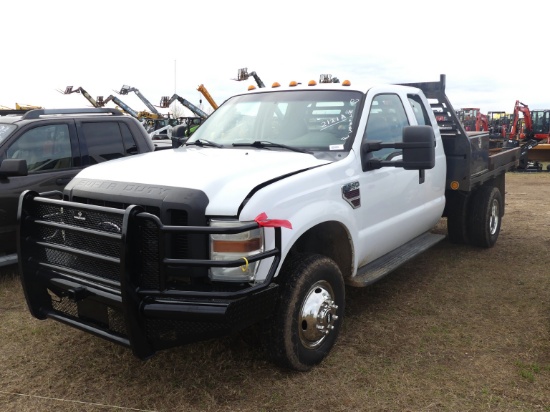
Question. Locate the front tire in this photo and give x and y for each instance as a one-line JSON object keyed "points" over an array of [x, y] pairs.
{"points": [[309, 313], [485, 216]]}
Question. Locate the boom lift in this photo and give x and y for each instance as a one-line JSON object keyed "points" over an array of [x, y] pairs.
{"points": [[69, 90], [244, 75], [125, 108], [187, 125], [127, 89], [166, 102], [207, 96], [153, 123]]}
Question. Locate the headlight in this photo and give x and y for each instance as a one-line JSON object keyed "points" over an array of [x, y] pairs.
{"points": [[236, 246]]}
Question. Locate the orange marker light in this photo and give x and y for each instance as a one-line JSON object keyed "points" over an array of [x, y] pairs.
{"points": [[346, 83], [312, 83], [293, 83], [242, 246], [454, 185], [275, 85], [251, 87]]}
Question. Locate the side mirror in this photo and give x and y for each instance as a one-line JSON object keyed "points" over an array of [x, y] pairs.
{"points": [[418, 147], [179, 135], [13, 167]]}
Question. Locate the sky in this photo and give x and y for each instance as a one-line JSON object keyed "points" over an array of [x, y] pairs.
{"points": [[491, 53]]}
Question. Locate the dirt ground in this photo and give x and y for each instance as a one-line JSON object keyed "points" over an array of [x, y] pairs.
{"points": [[456, 329]]}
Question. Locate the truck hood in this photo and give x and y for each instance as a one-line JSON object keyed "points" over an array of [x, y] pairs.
{"points": [[225, 175]]}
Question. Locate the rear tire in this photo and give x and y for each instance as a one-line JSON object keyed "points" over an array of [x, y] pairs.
{"points": [[309, 313], [485, 216]]}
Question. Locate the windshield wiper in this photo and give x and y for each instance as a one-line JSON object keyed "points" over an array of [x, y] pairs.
{"points": [[262, 144], [204, 142]]}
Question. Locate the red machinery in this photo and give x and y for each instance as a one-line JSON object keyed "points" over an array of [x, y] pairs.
{"points": [[482, 124], [536, 123], [472, 119], [523, 108], [468, 117]]}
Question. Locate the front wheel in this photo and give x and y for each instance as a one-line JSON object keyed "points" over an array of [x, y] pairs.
{"points": [[309, 313], [485, 216]]}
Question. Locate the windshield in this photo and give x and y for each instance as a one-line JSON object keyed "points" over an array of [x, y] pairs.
{"points": [[313, 120], [5, 130]]}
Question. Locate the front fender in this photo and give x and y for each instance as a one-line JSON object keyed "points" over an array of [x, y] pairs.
{"points": [[307, 217]]}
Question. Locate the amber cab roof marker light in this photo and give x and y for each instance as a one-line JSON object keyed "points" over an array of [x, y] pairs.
{"points": [[346, 83], [312, 83], [251, 87], [275, 85]]}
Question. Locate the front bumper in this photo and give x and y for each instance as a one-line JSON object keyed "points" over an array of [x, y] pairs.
{"points": [[111, 275]]}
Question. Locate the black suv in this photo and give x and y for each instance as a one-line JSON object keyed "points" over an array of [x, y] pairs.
{"points": [[43, 150]]}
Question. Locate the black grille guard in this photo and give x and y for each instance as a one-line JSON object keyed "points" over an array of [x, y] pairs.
{"points": [[131, 218], [81, 248]]}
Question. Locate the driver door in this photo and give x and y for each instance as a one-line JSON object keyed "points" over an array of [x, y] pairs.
{"points": [[395, 204]]}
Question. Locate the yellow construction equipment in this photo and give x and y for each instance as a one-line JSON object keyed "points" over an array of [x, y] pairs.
{"points": [[26, 107], [207, 96]]}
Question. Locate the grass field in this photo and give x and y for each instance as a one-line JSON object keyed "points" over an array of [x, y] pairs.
{"points": [[456, 329]]}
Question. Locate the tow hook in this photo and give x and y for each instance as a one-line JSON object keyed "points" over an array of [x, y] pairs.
{"points": [[77, 294]]}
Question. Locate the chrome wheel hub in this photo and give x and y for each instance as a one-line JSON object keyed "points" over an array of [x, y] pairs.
{"points": [[317, 315]]}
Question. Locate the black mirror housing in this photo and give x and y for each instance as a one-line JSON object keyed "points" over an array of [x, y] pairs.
{"points": [[418, 147], [13, 167]]}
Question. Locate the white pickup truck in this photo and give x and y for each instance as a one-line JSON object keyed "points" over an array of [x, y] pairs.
{"points": [[282, 197]]}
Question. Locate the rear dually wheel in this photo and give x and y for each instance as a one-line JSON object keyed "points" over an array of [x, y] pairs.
{"points": [[485, 216]]}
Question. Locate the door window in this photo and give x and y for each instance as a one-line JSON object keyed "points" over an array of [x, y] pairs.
{"points": [[44, 148], [385, 123]]}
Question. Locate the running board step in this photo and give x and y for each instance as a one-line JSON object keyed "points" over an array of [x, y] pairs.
{"points": [[379, 268]]}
